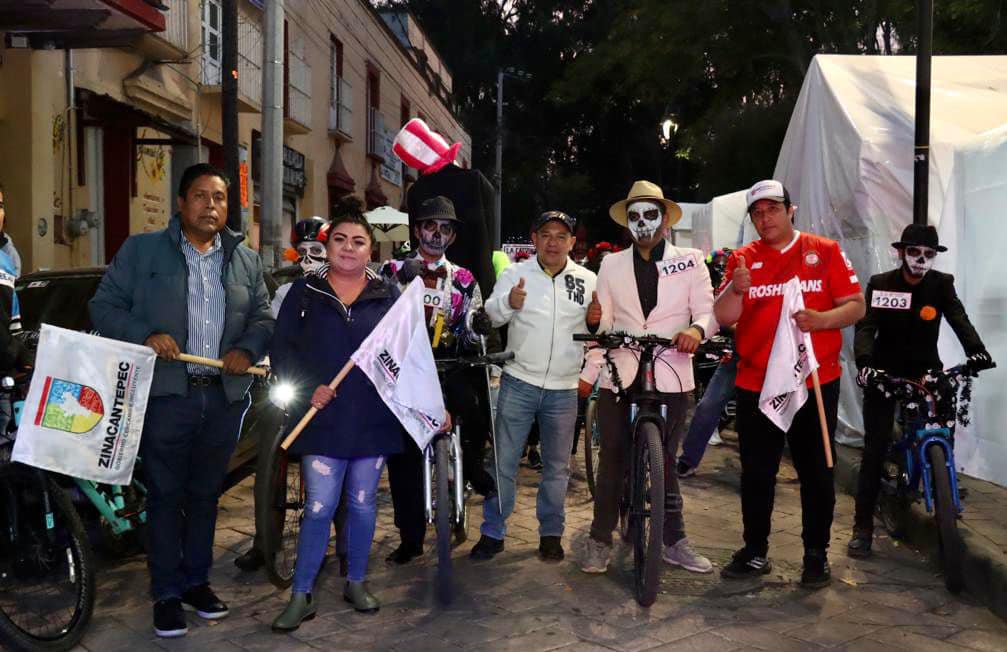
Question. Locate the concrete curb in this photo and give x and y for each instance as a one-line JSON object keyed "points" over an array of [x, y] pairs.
{"points": [[984, 565]]}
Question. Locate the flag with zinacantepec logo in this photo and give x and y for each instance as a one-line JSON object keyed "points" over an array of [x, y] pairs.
{"points": [[84, 412]]}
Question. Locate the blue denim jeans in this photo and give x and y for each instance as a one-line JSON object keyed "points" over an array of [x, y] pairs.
{"points": [[707, 415], [518, 405], [324, 479], [186, 445]]}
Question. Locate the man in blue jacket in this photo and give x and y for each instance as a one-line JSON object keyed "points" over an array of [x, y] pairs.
{"points": [[190, 288]]}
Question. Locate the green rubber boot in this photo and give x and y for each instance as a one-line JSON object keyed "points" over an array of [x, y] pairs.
{"points": [[356, 593], [301, 607]]}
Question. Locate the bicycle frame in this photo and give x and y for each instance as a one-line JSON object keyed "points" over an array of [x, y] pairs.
{"points": [[917, 466]]}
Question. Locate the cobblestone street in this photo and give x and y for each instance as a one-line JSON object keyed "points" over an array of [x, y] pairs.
{"points": [[896, 600]]}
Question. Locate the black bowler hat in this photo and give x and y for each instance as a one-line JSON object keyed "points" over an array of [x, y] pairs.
{"points": [[919, 235], [436, 208]]}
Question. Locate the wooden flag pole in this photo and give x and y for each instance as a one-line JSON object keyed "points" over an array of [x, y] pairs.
{"points": [[219, 364], [821, 418], [310, 414]]}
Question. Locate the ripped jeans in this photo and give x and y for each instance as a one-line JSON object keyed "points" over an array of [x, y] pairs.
{"points": [[324, 478]]}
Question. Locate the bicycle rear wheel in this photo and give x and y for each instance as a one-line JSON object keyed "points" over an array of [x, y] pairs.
{"points": [[46, 565], [279, 509], [647, 511], [947, 519], [592, 443], [442, 518]]}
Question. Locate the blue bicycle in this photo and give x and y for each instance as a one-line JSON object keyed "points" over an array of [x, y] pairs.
{"points": [[921, 463]]}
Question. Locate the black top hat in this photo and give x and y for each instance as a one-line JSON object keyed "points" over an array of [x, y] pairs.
{"points": [[435, 208], [919, 235]]}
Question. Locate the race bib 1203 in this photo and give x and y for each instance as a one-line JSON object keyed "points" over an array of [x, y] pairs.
{"points": [[891, 300]]}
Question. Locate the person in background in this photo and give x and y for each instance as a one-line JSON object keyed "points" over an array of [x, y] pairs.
{"points": [[307, 241], [191, 287], [6, 244]]}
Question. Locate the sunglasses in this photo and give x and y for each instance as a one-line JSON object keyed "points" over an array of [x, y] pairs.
{"points": [[916, 252], [446, 228]]}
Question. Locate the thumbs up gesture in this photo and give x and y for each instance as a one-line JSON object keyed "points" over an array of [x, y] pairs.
{"points": [[593, 312], [517, 295], [742, 279]]}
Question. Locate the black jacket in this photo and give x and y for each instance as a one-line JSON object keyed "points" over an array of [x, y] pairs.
{"points": [[904, 341]]}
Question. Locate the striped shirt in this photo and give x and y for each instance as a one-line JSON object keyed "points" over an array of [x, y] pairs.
{"points": [[206, 303]]}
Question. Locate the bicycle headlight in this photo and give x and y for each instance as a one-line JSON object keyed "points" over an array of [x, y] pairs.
{"points": [[281, 394]]}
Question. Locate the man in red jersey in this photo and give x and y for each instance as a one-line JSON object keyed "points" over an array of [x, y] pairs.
{"points": [[751, 296]]}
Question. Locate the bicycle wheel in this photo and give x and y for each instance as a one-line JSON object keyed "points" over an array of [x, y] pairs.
{"points": [[592, 443], [947, 519], [442, 518], [279, 508], [893, 500], [46, 565], [647, 511]]}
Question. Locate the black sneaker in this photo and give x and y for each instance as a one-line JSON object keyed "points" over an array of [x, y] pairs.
{"points": [[169, 619], [252, 560], [684, 470], [859, 546], [746, 564], [550, 549], [486, 548], [816, 573], [205, 602], [405, 553]]}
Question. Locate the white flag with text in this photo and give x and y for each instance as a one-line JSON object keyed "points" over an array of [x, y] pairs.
{"points": [[397, 358], [790, 363]]}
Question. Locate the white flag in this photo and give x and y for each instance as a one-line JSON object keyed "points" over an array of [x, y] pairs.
{"points": [[397, 358], [790, 363], [83, 416]]}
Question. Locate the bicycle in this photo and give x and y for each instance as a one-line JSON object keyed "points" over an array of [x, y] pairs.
{"points": [[47, 584], [592, 440], [643, 493], [443, 481], [921, 463]]}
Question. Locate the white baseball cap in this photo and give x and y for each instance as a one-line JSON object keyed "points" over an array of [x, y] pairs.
{"points": [[768, 189]]}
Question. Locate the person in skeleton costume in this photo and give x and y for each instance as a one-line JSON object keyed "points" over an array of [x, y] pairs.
{"points": [[651, 288], [307, 240], [899, 335], [456, 324]]}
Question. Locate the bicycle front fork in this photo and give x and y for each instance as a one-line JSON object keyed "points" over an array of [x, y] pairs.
{"points": [[455, 473]]}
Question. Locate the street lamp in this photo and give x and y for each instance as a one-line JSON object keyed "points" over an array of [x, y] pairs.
{"points": [[513, 73], [668, 128]]}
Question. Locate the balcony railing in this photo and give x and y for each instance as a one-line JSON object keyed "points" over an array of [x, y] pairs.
{"points": [[176, 24], [379, 146], [341, 109], [298, 106], [250, 60]]}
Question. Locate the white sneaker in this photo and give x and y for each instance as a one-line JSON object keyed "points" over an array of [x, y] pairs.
{"points": [[682, 554], [596, 555], [715, 440]]}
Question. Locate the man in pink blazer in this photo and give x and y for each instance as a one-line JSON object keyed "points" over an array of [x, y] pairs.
{"points": [[653, 288]]}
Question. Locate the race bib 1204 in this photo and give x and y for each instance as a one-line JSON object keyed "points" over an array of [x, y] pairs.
{"points": [[675, 265], [891, 300]]}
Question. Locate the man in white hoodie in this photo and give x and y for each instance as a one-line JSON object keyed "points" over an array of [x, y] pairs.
{"points": [[543, 301]]}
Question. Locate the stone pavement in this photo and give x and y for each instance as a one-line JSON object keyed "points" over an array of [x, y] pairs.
{"points": [[894, 601]]}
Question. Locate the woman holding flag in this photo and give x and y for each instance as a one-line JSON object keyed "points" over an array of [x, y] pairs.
{"points": [[322, 322], [785, 268]]}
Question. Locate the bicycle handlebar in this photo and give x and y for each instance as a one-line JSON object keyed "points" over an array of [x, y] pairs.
{"points": [[618, 340], [474, 361]]}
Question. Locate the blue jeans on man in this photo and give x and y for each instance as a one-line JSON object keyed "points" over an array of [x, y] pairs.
{"points": [[186, 446], [706, 418], [518, 405]]}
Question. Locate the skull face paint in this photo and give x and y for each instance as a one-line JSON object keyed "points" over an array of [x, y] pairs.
{"points": [[643, 218], [311, 256], [435, 237], [918, 260]]}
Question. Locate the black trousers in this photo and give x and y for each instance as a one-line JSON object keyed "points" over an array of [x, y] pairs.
{"points": [[761, 445], [405, 470], [879, 418]]}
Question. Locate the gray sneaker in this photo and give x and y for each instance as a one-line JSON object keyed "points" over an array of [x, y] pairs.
{"points": [[682, 554], [596, 556]]}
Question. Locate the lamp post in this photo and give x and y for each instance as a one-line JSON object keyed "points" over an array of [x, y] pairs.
{"points": [[921, 147], [498, 173]]}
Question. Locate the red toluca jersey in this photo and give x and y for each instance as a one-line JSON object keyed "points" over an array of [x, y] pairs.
{"points": [[826, 275]]}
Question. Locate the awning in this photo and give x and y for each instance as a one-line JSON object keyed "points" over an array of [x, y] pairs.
{"points": [[389, 224], [69, 24]]}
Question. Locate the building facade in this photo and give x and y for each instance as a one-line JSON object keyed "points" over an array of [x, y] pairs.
{"points": [[93, 141]]}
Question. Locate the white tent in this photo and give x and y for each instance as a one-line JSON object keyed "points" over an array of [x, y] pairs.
{"points": [[847, 160], [721, 222]]}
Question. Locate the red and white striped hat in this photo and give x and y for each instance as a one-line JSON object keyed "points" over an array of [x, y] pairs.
{"points": [[419, 147]]}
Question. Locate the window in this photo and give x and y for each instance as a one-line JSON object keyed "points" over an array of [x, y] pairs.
{"points": [[211, 42], [375, 121], [340, 92]]}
